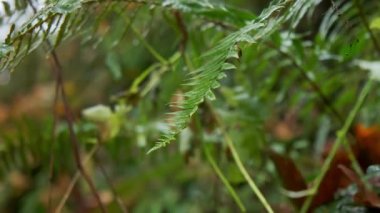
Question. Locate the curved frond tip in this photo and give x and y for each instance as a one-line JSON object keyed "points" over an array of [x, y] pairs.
{"points": [[207, 77]]}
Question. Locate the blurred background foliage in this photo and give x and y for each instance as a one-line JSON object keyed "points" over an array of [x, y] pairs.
{"points": [[120, 89]]}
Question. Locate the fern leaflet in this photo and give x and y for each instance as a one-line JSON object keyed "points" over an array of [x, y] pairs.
{"points": [[207, 77]]}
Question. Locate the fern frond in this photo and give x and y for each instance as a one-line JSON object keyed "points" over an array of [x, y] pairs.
{"points": [[342, 16], [59, 20], [212, 11], [54, 22], [207, 77]]}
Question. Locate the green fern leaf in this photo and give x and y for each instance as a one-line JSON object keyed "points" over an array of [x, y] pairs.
{"points": [[206, 78]]}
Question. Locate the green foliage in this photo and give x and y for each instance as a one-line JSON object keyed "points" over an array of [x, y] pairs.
{"points": [[205, 79], [238, 83], [52, 23]]}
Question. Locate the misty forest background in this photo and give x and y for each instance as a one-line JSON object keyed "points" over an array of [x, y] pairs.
{"points": [[189, 106]]}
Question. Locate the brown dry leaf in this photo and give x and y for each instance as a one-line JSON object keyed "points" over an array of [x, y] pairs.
{"points": [[291, 177], [4, 113], [293, 180], [18, 182], [366, 150], [287, 128], [283, 131], [368, 144], [56, 190], [35, 103], [106, 198], [333, 180]]}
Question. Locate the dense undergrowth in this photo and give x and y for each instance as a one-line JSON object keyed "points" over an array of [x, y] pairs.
{"points": [[189, 106]]}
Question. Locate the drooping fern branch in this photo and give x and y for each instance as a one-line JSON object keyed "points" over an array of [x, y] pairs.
{"points": [[206, 78], [58, 20], [55, 21]]}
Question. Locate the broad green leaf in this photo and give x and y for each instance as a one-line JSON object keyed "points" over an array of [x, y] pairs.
{"points": [[98, 113]]}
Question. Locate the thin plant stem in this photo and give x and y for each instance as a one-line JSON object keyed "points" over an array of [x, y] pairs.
{"points": [[157, 67], [58, 71], [182, 28], [74, 180], [224, 180], [70, 123], [54, 125], [152, 51], [216, 168], [54, 138], [239, 163], [341, 134], [210, 158], [244, 172], [119, 201], [141, 38], [341, 137], [355, 163]]}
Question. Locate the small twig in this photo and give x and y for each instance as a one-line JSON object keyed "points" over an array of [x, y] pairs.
{"points": [[156, 67], [239, 163], [182, 29], [224, 180], [119, 201], [57, 67], [354, 161], [55, 119], [141, 38], [247, 177], [74, 180], [52, 156], [199, 136], [73, 138]]}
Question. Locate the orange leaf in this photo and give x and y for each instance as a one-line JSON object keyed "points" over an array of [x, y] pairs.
{"points": [[291, 177], [367, 144], [293, 180], [367, 152]]}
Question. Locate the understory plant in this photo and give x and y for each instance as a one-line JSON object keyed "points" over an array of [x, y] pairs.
{"points": [[189, 105]]}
